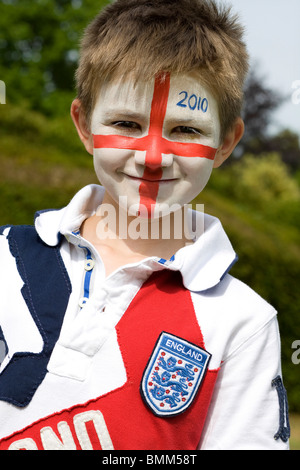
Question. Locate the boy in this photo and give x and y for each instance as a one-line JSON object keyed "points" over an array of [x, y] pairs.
{"points": [[120, 341]]}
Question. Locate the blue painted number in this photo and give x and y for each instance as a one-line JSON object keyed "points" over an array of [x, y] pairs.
{"points": [[193, 102]]}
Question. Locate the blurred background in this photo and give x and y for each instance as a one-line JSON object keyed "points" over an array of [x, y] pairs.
{"points": [[256, 194]]}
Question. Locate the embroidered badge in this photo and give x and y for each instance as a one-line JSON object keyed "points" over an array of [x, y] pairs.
{"points": [[173, 375]]}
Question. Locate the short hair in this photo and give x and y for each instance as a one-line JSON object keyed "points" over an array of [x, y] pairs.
{"points": [[141, 38]]}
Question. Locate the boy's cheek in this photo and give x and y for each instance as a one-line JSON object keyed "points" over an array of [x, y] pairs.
{"points": [[110, 160], [194, 168], [199, 174]]}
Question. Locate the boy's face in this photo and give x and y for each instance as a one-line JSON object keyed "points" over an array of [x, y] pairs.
{"points": [[155, 143]]}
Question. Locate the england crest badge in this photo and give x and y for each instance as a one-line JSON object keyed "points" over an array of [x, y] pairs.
{"points": [[173, 375]]}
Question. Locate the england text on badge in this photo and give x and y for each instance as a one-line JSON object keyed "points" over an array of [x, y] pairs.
{"points": [[173, 375]]}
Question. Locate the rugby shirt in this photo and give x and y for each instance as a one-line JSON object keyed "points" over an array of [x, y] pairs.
{"points": [[111, 361]]}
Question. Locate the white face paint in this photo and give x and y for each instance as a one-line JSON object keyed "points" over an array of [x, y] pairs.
{"points": [[155, 143]]}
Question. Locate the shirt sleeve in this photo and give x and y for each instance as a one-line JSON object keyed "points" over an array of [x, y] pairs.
{"points": [[248, 409]]}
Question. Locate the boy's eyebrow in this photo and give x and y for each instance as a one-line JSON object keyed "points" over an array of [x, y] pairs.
{"points": [[118, 113], [188, 121]]}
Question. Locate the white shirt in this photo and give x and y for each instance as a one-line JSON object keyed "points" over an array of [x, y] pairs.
{"points": [[239, 328]]}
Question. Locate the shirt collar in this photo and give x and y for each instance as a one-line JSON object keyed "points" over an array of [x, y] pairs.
{"points": [[202, 264], [51, 224]]}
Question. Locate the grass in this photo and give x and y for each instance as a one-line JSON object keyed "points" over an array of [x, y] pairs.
{"points": [[295, 431]]}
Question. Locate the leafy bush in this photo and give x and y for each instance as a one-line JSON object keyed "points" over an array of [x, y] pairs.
{"points": [[264, 180], [262, 184]]}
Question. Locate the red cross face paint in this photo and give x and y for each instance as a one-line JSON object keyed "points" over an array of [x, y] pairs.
{"points": [[155, 142]]}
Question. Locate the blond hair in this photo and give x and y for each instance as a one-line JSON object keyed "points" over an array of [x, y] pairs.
{"points": [[140, 38]]}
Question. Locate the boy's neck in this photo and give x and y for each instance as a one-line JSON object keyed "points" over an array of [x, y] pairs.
{"points": [[128, 239]]}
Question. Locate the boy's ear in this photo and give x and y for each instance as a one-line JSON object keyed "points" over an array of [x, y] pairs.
{"points": [[231, 140], [79, 120]]}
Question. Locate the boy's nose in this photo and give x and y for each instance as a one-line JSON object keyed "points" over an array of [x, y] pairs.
{"points": [[154, 153], [153, 159]]}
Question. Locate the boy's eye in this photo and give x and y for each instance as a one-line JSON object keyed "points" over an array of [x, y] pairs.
{"points": [[127, 125], [186, 130]]}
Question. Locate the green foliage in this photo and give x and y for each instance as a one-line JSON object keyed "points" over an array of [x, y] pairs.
{"points": [[43, 163], [39, 49], [295, 432], [264, 184], [263, 180]]}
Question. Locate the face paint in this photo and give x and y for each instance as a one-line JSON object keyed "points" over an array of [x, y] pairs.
{"points": [[154, 145]]}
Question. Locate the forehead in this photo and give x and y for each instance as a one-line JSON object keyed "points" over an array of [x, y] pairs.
{"points": [[187, 98]]}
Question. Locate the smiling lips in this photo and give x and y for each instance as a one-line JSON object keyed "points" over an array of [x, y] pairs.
{"points": [[151, 178], [155, 145]]}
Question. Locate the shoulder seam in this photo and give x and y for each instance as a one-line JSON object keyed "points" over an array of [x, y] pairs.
{"points": [[254, 333]]}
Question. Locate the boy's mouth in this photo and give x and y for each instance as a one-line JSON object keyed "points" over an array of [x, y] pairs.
{"points": [[151, 178]]}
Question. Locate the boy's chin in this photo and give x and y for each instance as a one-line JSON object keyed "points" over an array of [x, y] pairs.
{"points": [[152, 211]]}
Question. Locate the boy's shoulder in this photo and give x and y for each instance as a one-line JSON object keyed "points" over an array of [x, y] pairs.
{"points": [[239, 296], [218, 257], [233, 301], [231, 314]]}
